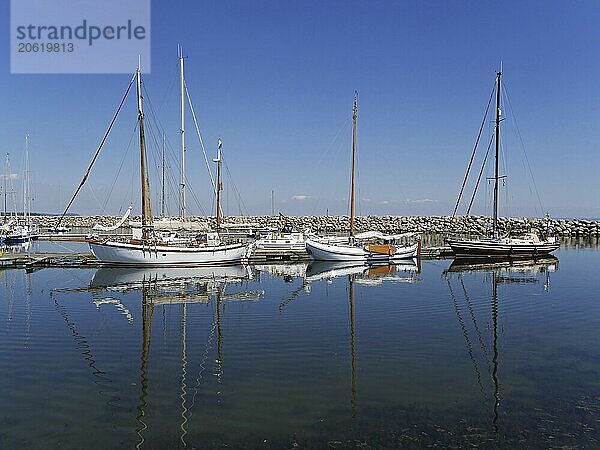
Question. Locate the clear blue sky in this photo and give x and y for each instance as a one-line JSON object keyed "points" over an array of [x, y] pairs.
{"points": [[275, 80]]}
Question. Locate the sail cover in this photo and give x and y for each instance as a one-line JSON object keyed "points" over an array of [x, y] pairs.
{"points": [[99, 227]]}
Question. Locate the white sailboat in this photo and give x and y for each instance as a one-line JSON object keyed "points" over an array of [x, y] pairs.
{"points": [[380, 248], [149, 248], [529, 245], [24, 230]]}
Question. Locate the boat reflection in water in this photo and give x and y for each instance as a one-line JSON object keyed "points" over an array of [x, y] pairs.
{"points": [[15, 249], [173, 286], [365, 275], [405, 272], [498, 272]]}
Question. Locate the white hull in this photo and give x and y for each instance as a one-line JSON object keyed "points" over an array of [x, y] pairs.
{"points": [[282, 241], [323, 251], [121, 253], [114, 277], [280, 244]]}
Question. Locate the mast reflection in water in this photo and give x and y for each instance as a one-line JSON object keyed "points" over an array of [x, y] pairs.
{"points": [[497, 272]]}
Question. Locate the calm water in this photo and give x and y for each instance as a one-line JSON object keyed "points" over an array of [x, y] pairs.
{"points": [[289, 356]]}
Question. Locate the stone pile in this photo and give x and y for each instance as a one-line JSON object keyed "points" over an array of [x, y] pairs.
{"points": [[474, 225]]}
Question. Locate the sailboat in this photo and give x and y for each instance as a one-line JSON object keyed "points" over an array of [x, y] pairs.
{"points": [[371, 247], [147, 247], [24, 230], [529, 245]]}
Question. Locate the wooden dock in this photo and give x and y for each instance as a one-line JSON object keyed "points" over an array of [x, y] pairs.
{"points": [[33, 261]]}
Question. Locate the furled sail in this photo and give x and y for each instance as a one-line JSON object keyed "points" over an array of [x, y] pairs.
{"points": [[99, 227], [7, 226]]}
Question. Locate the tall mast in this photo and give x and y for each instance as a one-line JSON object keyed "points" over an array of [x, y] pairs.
{"points": [[495, 222], [219, 185], [26, 204], [162, 203], [352, 345], [354, 119], [5, 184], [495, 348], [146, 203], [182, 129]]}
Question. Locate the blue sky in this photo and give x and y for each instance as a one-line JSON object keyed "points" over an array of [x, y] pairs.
{"points": [[275, 80]]}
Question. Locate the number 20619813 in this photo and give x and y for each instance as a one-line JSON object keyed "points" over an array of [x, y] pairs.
{"points": [[45, 47]]}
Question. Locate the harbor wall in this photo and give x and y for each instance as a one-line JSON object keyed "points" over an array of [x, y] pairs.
{"points": [[474, 225]]}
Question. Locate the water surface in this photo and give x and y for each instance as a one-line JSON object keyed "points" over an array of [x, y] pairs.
{"points": [[287, 356]]}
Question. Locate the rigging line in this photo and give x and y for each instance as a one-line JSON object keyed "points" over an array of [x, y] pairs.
{"points": [[472, 313], [334, 147], [241, 205], [332, 143], [202, 363], [99, 377], [153, 115], [129, 145], [504, 153], [212, 181], [514, 118], [480, 173], [474, 150], [154, 139], [96, 198], [89, 169], [468, 343]]}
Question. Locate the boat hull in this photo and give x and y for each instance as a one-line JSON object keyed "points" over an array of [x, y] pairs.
{"points": [[118, 253], [280, 244], [322, 251], [19, 239], [499, 249]]}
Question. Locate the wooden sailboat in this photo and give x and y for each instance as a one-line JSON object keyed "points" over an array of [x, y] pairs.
{"points": [[529, 245], [147, 248], [355, 248]]}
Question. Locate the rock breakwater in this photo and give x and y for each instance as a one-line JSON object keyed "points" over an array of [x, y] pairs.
{"points": [[474, 225]]}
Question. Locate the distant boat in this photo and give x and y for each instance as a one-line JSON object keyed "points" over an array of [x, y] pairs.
{"points": [[285, 239], [148, 247], [529, 245], [59, 230], [379, 248]]}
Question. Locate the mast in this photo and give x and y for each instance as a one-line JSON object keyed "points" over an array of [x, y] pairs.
{"points": [[495, 221], [354, 119], [272, 202], [5, 184], [146, 204], [162, 204], [495, 348], [219, 184], [352, 345], [147, 314], [26, 204], [182, 130]]}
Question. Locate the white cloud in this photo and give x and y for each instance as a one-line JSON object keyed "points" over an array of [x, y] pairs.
{"points": [[420, 201], [300, 198]]}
